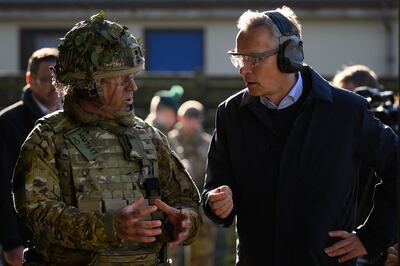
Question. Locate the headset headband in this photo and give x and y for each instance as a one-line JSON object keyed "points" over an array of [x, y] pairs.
{"points": [[283, 23]]}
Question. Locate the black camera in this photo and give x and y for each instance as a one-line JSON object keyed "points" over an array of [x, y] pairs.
{"points": [[382, 103]]}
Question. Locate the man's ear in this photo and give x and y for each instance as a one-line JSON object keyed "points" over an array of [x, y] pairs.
{"points": [[180, 118], [28, 78]]}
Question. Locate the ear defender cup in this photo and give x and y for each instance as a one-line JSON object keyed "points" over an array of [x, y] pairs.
{"points": [[290, 55]]}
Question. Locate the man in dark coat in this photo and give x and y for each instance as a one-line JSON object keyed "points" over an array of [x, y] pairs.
{"points": [[285, 156], [16, 121]]}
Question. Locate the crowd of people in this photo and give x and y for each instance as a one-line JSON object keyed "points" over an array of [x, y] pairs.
{"points": [[300, 165]]}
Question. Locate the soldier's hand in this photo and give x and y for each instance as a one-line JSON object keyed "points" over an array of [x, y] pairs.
{"points": [[180, 219], [130, 223], [349, 247], [14, 257], [220, 201]]}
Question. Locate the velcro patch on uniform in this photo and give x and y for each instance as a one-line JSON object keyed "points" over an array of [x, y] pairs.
{"points": [[82, 142]]}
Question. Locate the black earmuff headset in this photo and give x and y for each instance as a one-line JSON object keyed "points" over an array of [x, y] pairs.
{"points": [[290, 55]]}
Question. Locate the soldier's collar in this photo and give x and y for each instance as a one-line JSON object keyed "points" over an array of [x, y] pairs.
{"points": [[73, 109]]}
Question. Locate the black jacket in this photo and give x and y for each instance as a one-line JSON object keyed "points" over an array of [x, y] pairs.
{"points": [[287, 198], [16, 121]]}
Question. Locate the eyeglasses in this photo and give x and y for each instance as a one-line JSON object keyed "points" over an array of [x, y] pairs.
{"points": [[120, 81], [238, 60]]}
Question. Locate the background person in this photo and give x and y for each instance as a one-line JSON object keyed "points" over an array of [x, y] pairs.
{"points": [[364, 81], [351, 77], [163, 108], [191, 144], [39, 98]]}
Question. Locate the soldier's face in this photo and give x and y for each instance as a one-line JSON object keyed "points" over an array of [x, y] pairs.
{"points": [[118, 92], [166, 117], [41, 85]]}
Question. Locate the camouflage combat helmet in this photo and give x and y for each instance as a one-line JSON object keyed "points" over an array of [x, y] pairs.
{"points": [[94, 49]]}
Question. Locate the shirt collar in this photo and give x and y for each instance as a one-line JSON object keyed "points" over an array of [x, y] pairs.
{"points": [[43, 108], [292, 97]]}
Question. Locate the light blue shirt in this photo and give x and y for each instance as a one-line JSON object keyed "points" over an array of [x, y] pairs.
{"points": [[43, 108], [292, 97]]}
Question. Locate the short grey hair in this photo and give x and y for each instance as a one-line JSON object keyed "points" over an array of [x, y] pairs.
{"points": [[252, 19]]}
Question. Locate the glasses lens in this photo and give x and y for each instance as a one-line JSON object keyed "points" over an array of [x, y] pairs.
{"points": [[237, 60]]}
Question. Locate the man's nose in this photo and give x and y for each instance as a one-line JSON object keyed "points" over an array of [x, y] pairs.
{"points": [[132, 86], [245, 69]]}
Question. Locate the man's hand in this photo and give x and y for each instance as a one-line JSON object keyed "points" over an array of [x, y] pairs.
{"points": [[220, 201], [14, 257], [348, 248], [130, 223], [180, 220], [393, 256]]}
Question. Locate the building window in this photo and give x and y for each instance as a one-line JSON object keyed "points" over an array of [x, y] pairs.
{"points": [[34, 39], [174, 50]]}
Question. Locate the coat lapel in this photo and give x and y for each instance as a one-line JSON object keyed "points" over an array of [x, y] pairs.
{"points": [[258, 110]]}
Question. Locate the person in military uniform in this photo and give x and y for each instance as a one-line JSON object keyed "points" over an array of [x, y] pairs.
{"points": [[95, 184], [163, 107], [191, 143]]}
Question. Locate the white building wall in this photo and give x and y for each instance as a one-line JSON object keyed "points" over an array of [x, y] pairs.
{"points": [[9, 48], [219, 38], [328, 44]]}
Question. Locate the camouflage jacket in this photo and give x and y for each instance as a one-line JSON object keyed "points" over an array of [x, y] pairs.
{"points": [[46, 196], [192, 150]]}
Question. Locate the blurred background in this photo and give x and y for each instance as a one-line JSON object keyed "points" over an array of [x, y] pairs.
{"points": [[186, 41]]}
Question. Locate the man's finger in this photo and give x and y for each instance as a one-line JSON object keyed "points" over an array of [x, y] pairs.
{"points": [[165, 208], [185, 213], [219, 204], [339, 251], [225, 210], [339, 233], [225, 188], [148, 232], [149, 224], [338, 245], [145, 211], [179, 239], [217, 196], [347, 257], [136, 204]]}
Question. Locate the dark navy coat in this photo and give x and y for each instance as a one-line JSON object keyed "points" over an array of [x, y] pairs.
{"points": [[16, 122], [287, 198]]}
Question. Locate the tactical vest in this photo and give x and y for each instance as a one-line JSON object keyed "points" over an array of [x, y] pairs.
{"points": [[108, 170]]}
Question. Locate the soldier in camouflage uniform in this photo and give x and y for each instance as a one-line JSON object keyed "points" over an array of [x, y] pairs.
{"points": [[191, 144], [95, 184]]}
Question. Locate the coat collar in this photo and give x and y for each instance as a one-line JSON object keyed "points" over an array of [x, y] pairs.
{"points": [[320, 89], [30, 103]]}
